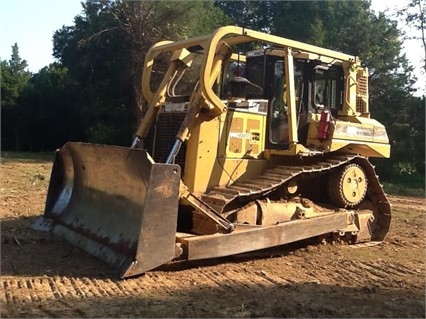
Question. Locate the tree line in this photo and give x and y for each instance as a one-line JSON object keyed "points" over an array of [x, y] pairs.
{"points": [[93, 92]]}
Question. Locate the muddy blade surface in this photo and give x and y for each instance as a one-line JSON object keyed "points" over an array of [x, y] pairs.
{"points": [[116, 204]]}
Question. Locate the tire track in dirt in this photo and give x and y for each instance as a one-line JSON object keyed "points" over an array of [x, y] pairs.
{"points": [[162, 283], [155, 284], [209, 279], [39, 289], [235, 279], [55, 288], [387, 275], [223, 278]]}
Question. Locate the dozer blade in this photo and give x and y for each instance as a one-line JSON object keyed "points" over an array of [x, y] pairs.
{"points": [[116, 204]]}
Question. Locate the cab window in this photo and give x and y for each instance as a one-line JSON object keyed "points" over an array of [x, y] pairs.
{"points": [[327, 88], [278, 106]]}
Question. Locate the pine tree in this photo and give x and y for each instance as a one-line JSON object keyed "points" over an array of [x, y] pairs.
{"points": [[17, 65], [14, 79]]}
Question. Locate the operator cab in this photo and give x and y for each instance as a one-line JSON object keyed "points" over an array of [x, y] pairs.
{"points": [[318, 86]]}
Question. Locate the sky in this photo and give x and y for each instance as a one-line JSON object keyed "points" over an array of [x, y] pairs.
{"points": [[32, 23]]}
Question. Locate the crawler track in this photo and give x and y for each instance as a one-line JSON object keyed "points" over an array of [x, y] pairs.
{"points": [[220, 198]]}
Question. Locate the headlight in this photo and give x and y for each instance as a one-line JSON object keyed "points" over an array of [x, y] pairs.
{"points": [[368, 132], [380, 135]]}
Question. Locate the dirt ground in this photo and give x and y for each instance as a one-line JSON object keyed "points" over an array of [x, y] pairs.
{"points": [[43, 276]]}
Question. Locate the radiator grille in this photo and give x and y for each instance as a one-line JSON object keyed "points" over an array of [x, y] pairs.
{"points": [[362, 85], [362, 94], [361, 104], [167, 126]]}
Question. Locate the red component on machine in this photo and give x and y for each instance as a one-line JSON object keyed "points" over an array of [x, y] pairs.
{"points": [[324, 125]]}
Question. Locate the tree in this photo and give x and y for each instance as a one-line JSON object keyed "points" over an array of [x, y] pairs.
{"points": [[96, 51], [105, 49], [407, 136], [16, 63], [255, 15], [414, 15], [14, 78], [147, 22], [50, 115]]}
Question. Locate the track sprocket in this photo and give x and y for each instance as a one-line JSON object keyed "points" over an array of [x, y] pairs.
{"points": [[348, 185]]}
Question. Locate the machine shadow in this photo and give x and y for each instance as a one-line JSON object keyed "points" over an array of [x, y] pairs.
{"points": [[27, 252]]}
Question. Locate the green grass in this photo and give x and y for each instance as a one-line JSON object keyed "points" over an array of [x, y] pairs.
{"points": [[406, 185], [404, 189], [27, 156]]}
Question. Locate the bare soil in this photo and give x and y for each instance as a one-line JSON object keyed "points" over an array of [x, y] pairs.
{"points": [[43, 276]]}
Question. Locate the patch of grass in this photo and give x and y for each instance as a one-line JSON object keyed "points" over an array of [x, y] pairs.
{"points": [[27, 157], [403, 190], [406, 185]]}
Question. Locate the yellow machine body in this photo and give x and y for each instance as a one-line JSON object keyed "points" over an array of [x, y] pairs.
{"points": [[241, 151]]}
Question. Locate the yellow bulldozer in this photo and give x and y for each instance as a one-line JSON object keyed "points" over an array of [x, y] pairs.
{"points": [[249, 141]]}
